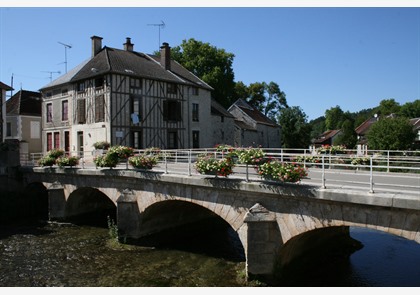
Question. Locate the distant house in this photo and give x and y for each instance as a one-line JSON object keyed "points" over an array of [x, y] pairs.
{"points": [[23, 120], [363, 129], [3, 89], [223, 125], [327, 138], [126, 98], [252, 128]]}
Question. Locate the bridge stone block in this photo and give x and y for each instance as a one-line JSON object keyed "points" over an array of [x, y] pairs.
{"points": [[128, 217], [56, 202]]}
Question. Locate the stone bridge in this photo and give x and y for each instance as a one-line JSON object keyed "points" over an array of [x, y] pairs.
{"points": [[266, 216]]}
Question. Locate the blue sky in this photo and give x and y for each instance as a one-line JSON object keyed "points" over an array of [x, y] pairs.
{"points": [[321, 57]]}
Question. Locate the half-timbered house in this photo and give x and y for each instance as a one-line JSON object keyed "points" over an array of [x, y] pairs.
{"points": [[126, 98]]}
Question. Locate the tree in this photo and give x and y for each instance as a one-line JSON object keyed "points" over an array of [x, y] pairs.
{"points": [[348, 137], [211, 64], [387, 107], [391, 134], [296, 131], [266, 97], [334, 118], [410, 110]]}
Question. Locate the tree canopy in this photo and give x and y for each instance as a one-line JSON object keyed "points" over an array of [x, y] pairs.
{"points": [[391, 134], [211, 64], [295, 129]]}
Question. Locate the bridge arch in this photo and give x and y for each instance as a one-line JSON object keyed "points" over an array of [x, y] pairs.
{"points": [[177, 220], [90, 205]]}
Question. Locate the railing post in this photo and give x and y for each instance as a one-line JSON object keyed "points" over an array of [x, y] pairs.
{"points": [[189, 163], [246, 173], [304, 158], [323, 171], [387, 165], [166, 162], [281, 155], [371, 176]]}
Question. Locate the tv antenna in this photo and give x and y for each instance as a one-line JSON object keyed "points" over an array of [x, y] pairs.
{"points": [[58, 72], [161, 25], [65, 53]]}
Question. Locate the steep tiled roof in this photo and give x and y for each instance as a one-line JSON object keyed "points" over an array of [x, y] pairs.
{"points": [[131, 63], [253, 113], [5, 87], [364, 127], [24, 103], [218, 109], [327, 135]]}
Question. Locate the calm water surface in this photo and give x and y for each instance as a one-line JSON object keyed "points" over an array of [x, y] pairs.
{"points": [[82, 256]]}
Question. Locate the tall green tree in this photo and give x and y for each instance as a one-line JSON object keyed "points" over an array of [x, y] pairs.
{"points": [[334, 118], [268, 98], [296, 131], [410, 110], [348, 136], [211, 64], [387, 107], [391, 134]]}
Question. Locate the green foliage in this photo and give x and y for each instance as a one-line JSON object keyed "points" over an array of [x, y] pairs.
{"points": [[334, 118], [67, 161], [391, 134], [143, 161], [51, 157], [250, 156], [211, 64], [387, 107], [122, 152], [295, 129], [348, 137], [108, 160], [47, 161], [330, 149], [112, 229], [410, 109]]}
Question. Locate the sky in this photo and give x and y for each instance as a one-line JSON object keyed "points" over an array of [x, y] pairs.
{"points": [[321, 56]]}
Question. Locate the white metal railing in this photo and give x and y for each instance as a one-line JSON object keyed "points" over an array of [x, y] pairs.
{"points": [[375, 169]]}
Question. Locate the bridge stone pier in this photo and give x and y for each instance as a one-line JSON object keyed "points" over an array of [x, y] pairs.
{"points": [[266, 216]]}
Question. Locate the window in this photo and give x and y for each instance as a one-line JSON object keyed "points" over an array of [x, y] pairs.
{"points": [[99, 82], [195, 112], [222, 119], [135, 83], [35, 129], [64, 91], [49, 112], [100, 108], [172, 140], [195, 91], [81, 111], [56, 140], [64, 110], [171, 88], [8, 129], [196, 139], [49, 141], [81, 86], [136, 109], [171, 110]]}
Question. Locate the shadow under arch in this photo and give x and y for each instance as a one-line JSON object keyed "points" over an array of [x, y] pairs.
{"points": [[90, 206], [185, 226], [300, 258]]}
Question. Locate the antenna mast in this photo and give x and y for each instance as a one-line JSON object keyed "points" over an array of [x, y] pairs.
{"points": [[58, 72], [65, 53], [161, 25]]}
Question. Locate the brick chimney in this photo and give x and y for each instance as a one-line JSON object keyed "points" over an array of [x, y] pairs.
{"points": [[128, 46], [165, 56], [96, 45]]}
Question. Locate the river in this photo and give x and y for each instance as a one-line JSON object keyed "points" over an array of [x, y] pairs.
{"points": [[68, 255]]}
